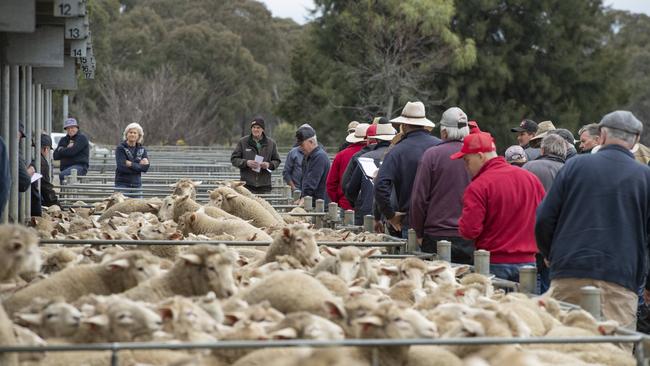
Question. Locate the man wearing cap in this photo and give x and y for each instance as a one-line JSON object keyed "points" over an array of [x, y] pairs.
{"points": [[436, 202], [315, 165], [397, 172], [525, 132], [351, 126], [256, 155], [48, 195], [73, 150], [607, 247], [357, 140], [569, 141], [499, 207], [358, 187], [515, 155], [589, 137]]}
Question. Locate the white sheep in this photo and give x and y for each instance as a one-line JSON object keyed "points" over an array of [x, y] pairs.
{"points": [[132, 205], [296, 241], [349, 263], [236, 204], [200, 223], [122, 272], [50, 318], [183, 204], [185, 187], [304, 325], [201, 269], [239, 187]]}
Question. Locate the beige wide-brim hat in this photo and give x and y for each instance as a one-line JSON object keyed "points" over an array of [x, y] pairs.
{"points": [[414, 114], [359, 133], [543, 129], [385, 132]]}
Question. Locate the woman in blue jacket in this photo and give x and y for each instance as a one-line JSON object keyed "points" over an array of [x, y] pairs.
{"points": [[131, 159]]}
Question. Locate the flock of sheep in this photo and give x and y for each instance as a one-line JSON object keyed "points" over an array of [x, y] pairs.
{"points": [[291, 289]]}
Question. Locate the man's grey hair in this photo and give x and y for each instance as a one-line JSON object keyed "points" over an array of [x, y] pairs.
{"points": [[591, 130], [455, 133], [629, 138], [553, 144]]}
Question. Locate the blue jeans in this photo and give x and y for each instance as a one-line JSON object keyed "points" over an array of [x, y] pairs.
{"points": [[508, 271], [81, 170], [129, 192]]}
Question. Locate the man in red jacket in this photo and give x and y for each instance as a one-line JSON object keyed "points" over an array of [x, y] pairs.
{"points": [[341, 161], [499, 207]]}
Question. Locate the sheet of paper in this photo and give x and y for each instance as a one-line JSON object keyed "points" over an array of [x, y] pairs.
{"points": [[368, 166], [36, 176], [258, 159]]}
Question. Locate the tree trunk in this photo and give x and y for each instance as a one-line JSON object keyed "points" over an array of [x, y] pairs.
{"points": [[389, 107]]}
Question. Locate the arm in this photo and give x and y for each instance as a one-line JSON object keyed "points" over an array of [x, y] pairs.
{"points": [[420, 196], [63, 142], [347, 174], [142, 168], [120, 160], [548, 213], [351, 190], [275, 158], [236, 158], [24, 180], [384, 187], [288, 167], [471, 222], [332, 183], [80, 143]]}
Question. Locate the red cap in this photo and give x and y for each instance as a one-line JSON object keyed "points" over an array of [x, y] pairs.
{"points": [[476, 143], [372, 131]]}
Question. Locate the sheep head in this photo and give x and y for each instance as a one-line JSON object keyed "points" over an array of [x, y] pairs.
{"points": [[123, 320], [304, 325], [166, 211], [133, 267], [300, 243], [212, 267], [392, 321], [185, 187], [60, 260], [349, 261], [18, 251], [56, 318]]}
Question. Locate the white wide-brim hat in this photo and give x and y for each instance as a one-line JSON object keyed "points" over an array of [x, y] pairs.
{"points": [[359, 133], [385, 132], [414, 114]]}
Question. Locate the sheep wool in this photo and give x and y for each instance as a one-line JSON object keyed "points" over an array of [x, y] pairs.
{"points": [[132, 205], [247, 208]]}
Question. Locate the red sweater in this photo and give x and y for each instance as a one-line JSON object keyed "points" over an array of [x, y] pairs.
{"points": [[335, 176], [499, 212]]}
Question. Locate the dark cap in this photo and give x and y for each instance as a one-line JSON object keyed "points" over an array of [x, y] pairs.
{"points": [[46, 140], [622, 120], [21, 129], [304, 133], [565, 134], [527, 125], [258, 121]]}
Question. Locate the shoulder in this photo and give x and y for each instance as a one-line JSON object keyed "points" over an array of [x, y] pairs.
{"points": [[270, 141]]}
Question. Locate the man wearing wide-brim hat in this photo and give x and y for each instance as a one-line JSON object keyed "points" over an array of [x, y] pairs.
{"points": [[398, 169], [356, 139]]}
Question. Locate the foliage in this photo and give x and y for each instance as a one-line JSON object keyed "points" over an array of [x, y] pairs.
{"points": [[284, 134]]}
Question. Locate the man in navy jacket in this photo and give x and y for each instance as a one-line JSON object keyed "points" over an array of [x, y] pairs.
{"points": [[73, 150], [592, 226], [315, 166]]}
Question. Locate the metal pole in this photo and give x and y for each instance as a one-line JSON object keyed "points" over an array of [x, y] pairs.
{"points": [[25, 143], [13, 142], [36, 123], [65, 107], [482, 262], [348, 218], [48, 109], [444, 250], [411, 242], [320, 207], [38, 107], [590, 300], [369, 223], [5, 125], [307, 204], [528, 279]]}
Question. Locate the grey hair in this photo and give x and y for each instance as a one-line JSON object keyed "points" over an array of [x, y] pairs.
{"points": [[554, 144], [137, 127], [455, 133], [591, 130], [629, 138]]}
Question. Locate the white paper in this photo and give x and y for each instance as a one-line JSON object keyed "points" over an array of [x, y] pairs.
{"points": [[36, 176], [368, 166], [259, 159]]}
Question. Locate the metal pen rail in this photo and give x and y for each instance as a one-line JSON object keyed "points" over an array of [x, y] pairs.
{"points": [[213, 242]]}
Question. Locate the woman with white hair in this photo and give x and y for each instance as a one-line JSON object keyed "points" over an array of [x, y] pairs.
{"points": [[131, 159]]}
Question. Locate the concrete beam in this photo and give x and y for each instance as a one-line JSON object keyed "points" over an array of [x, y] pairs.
{"points": [[58, 78], [43, 48], [18, 16]]}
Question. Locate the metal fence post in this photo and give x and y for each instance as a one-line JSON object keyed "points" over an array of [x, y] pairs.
{"points": [[320, 207], [443, 247], [482, 262], [590, 300], [348, 218], [528, 279], [307, 204], [411, 241], [369, 223]]}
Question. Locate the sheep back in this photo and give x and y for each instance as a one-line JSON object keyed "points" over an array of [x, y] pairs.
{"points": [[246, 208], [132, 205]]}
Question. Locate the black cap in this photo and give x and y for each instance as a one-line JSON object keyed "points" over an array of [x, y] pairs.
{"points": [[527, 125], [304, 133], [258, 121], [46, 140]]}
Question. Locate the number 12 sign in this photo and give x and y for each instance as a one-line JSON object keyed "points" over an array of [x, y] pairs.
{"points": [[69, 8]]}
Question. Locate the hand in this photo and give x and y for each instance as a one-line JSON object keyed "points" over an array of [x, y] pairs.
{"points": [[396, 221], [265, 165], [646, 297], [129, 163], [31, 170], [379, 227], [252, 164], [419, 242], [293, 186], [70, 144], [144, 161], [300, 201], [547, 263]]}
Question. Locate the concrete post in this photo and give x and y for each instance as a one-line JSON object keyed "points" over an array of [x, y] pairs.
{"points": [[14, 104], [333, 210], [528, 279], [369, 223], [320, 207], [590, 300], [5, 125], [296, 195], [348, 218], [287, 193], [73, 176], [444, 250], [411, 242], [25, 143], [482, 262], [307, 204], [65, 107]]}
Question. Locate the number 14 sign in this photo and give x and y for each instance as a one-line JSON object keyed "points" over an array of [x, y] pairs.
{"points": [[69, 8]]}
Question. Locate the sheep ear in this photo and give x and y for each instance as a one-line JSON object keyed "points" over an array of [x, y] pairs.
{"points": [[369, 321], [230, 195], [172, 185], [154, 206], [331, 251], [368, 252], [198, 183], [29, 318], [461, 270], [117, 265], [389, 270], [34, 221], [286, 232], [96, 321], [436, 269], [232, 318], [191, 259], [473, 327], [166, 313], [193, 217], [241, 260], [122, 215], [107, 236], [210, 191], [608, 327], [284, 333], [334, 310]]}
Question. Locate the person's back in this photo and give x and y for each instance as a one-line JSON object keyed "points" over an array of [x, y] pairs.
{"points": [[292, 170], [554, 151], [315, 168]]}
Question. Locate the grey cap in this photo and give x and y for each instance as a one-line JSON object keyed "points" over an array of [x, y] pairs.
{"points": [[565, 134], [454, 117], [622, 120]]}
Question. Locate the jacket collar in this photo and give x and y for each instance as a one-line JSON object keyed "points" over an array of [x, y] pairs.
{"points": [[551, 157], [251, 141], [618, 148], [419, 131], [499, 160]]}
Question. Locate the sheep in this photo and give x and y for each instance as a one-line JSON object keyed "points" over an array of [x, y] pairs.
{"points": [[201, 269], [50, 318], [184, 204], [297, 241], [8, 338], [200, 223], [239, 187], [132, 205], [26, 337], [261, 312], [60, 260], [185, 187], [186, 321], [20, 254], [247, 208], [304, 325], [432, 356], [44, 226], [122, 272], [289, 219], [333, 283], [349, 263], [211, 305], [290, 291]]}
